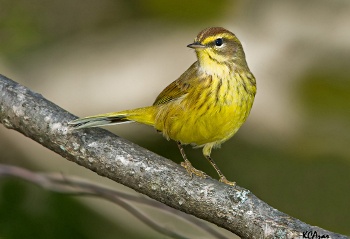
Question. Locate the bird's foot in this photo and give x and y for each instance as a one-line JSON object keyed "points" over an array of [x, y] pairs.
{"points": [[224, 180], [191, 170]]}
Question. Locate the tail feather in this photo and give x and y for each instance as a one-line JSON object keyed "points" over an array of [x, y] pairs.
{"points": [[141, 115], [95, 121]]}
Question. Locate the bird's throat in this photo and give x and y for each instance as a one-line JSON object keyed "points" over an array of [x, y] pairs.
{"points": [[214, 66]]}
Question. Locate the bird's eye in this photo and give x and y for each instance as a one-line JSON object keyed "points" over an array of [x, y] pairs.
{"points": [[218, 42]]}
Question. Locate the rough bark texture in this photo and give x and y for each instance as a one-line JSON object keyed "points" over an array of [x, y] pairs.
{"points": [[233, 208]]}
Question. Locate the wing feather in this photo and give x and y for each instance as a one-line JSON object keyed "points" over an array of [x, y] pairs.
{"points": [[178, 87]]}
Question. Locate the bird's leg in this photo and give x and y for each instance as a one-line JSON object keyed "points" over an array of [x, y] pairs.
{"points": [[187, 164], [221, 175]]}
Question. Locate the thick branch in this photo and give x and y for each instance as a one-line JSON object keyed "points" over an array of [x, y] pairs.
{"points": [[233, 208]]}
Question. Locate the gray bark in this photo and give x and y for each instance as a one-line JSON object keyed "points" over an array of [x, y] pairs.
{"points": [[233, 208]]}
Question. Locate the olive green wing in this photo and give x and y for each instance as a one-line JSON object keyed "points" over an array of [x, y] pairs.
{"points": [[179, 87]]}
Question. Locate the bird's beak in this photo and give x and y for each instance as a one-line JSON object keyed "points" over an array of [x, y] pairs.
{"points": [[196, 45]]}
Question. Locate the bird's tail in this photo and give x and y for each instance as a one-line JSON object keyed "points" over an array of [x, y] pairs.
{"points": [[141, 115]]}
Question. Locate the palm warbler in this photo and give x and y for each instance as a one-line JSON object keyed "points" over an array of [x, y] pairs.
{"points": [[205, 106]]}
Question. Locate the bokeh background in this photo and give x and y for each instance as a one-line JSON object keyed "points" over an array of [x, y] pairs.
{"points": [[93, 57]]}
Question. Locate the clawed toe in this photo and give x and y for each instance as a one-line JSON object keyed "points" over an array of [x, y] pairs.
{"points": [[191, 170], [224, 180]]}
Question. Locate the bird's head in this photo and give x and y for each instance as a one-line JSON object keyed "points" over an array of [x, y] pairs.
{"points": [[217, 47]]}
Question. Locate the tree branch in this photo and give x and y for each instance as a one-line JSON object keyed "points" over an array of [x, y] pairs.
{"points": [[233, 208], [58, 182]]}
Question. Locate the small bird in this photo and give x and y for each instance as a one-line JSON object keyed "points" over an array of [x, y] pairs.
{"points": [[205, 106]]}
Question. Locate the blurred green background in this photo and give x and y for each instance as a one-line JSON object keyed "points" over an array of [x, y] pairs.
{"points": [[93, 57]]}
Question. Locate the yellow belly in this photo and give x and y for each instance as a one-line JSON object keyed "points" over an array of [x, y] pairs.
{"points": [[205, 115]]}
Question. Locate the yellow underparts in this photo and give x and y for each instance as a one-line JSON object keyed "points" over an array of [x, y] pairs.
{"points": [[209, 114]]}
